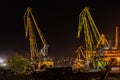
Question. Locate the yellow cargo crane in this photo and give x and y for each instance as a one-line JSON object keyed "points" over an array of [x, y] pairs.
{"points": [[91, 32], [91, 35], [78, 62], [37, 58]]}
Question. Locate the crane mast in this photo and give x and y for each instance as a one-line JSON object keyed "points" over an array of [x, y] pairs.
{"points": [[29, 32]]}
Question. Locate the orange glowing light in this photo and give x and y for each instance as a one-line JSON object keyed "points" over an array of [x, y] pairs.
{"points": [[118, 59]]}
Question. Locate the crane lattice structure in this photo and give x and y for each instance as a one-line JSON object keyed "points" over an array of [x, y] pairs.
{"points": [[80, 52], [29, 23], [91, 32], [102, 41]]}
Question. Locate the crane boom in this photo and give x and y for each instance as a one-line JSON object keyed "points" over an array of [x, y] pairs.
{"points": [[83, 20], [91, 32], [38, 29], [29, 14]]}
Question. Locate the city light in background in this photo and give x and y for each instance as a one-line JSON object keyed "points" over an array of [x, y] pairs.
{"points": [[2, 62]]}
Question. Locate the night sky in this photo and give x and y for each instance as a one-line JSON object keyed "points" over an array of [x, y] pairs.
{"points": [[58, 20]]}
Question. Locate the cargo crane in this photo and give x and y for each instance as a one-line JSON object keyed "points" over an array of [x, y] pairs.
{"points": [[103, 42], [91, 33], [78, 62], [37, 58], [93, 41], [82, 51]]}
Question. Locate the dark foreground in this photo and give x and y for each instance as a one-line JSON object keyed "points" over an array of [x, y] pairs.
{"points": [[61, 73]]}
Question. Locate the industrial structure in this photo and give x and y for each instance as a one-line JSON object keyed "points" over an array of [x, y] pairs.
{"points": [[97, 52], [93, 57], [38, 58], [91, 35]]}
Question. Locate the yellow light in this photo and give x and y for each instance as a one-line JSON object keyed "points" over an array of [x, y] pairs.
{"points": [[118, 59]]}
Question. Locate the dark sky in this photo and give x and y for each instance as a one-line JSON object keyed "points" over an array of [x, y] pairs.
{"points": [[58, 20]]}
